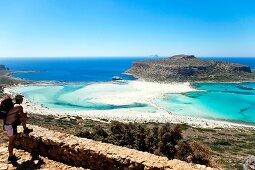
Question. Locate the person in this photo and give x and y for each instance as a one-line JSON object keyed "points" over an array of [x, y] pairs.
{"points": [[15, 117]]}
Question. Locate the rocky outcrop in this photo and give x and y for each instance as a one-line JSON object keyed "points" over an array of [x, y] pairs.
{"points": [[95, 155], [189, 68], [249, 163], [2, 67]]}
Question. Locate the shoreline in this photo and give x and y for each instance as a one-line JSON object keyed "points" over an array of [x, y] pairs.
{"points": [[132, 115]]}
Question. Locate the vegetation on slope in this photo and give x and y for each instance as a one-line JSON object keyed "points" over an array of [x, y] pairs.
{"points": [[181, 68], [164, 140]]}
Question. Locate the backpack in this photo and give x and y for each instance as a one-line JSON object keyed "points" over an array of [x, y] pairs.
{"points": [[5, 105]]}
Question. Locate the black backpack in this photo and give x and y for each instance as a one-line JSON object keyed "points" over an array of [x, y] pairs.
{"points": [[5, 105]]}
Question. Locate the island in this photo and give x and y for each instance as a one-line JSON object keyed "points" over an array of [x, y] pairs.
{"points": [[180, 68]]}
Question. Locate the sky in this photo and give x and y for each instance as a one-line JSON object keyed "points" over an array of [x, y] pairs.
{"points": [[45, 28]]}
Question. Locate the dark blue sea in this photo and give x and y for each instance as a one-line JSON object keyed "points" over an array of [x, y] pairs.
{"points": [[72, 69], [86, 69]]}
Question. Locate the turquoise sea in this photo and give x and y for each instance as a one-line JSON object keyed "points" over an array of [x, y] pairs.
{"points": [[225, 101]]}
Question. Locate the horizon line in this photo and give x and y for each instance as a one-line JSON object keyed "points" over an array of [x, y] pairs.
{"points": [[116, 56], [77, 56]]}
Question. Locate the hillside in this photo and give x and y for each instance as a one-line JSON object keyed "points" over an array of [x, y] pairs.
{"points": [[189, 68]]}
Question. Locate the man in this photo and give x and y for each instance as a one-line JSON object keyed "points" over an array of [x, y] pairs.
{"points": [[15, 117]]}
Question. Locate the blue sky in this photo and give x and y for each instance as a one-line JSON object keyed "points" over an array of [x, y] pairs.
{"points": [[36, 28]]}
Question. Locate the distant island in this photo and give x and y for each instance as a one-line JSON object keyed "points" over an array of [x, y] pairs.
{"points": [[180, 68]]}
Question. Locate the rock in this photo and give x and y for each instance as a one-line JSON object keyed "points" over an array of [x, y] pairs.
{"points": [[249, 163], [252, 166], [3, 166]]}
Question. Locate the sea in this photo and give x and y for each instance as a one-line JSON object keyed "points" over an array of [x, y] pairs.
{"points": [[220, 101]]}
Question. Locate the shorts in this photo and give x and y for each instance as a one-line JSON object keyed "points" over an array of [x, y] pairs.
{"points": [[11, 130]]}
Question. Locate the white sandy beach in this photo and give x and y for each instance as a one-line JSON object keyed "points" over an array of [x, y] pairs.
{"points": [[136, 91], [133, 92]]}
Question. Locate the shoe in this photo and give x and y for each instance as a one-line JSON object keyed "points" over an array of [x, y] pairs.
{"points": [[13, 158], [27, 130]]}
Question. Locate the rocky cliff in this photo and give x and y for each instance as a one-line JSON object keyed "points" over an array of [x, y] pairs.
{"points": [[189, 68]]}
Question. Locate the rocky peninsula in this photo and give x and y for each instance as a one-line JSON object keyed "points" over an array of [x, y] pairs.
{"points": [[180, 68]]}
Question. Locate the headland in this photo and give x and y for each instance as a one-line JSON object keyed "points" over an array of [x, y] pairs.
{"points": [[181, 68]]}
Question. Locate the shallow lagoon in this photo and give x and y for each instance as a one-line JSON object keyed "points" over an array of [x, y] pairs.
{"points": [[80, 96], [225, 101]]}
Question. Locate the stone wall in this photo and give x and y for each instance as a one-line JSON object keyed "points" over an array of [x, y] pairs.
{"points": [[94, 155]]}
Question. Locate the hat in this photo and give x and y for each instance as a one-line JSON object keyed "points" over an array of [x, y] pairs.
{"points": [[18, 97]]}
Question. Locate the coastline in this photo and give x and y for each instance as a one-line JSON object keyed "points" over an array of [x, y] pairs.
{"points": [[208, 81], [134, 115]]}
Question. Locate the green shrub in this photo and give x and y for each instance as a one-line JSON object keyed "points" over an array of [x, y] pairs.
{"points": [[86, 134], [176, 134], [201, 153], [100, 131], [165, 140], [140, 135], [123, 134], [222, 142], [152, 139], [100, 134], [183, 151], [169, 136]]}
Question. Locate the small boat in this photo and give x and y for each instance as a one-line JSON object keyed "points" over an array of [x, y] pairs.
{"points": [[116, 78]]}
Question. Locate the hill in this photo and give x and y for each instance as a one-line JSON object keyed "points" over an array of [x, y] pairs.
{"points": [[189, 68]]}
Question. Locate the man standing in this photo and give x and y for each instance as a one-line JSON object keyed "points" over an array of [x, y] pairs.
{"points": [[15, 117]]}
